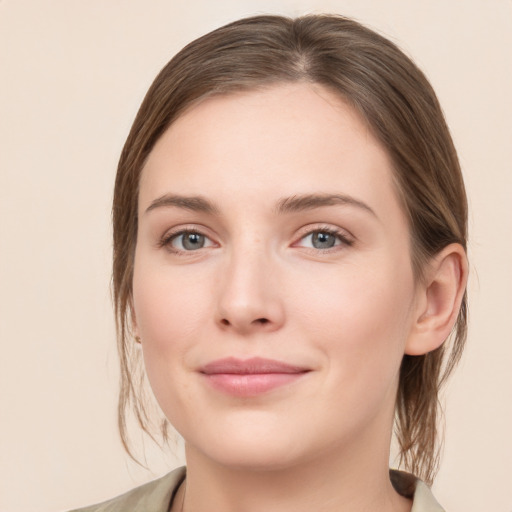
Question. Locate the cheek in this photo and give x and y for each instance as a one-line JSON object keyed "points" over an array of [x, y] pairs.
{"points": [[170, 311], [167, 304], [360, 319]]}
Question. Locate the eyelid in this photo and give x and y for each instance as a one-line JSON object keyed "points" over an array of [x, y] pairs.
{"points": [[171, 234], [345, 237]]}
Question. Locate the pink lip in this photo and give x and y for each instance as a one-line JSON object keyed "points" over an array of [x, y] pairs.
{"points": [[250, 377]]}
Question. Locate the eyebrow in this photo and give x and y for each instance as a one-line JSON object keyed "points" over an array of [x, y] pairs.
{"points": [[305, 202], [193, 203], [295, 203]]}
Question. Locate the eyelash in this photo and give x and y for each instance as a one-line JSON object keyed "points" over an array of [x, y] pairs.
{"points": [[167, 239], [337, 233]]}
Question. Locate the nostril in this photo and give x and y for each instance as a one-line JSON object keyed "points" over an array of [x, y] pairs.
{"points": [[258, 321]]}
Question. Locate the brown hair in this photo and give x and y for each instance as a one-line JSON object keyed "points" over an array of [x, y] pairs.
{"points": [[399, 105]]}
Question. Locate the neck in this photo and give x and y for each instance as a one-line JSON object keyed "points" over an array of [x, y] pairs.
{"points": [[354, 482]]}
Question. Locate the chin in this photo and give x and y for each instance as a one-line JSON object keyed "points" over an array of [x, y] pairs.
{"points": [[254, 458], [249, 449]]}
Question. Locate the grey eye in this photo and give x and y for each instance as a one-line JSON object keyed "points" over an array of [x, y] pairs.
{"points": [[323, 240], [189, 241]]}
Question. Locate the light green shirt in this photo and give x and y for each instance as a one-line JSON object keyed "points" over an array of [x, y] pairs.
{"points": [[157, 496]]}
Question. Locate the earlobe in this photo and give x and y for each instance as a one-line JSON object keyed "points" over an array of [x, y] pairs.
{"points": [[440, 299]]}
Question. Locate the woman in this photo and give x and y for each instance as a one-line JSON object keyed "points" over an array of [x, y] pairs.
{"points": [[290, 253]]}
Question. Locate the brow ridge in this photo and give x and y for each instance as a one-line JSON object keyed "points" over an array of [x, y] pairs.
{"points": [[193, 203], [305, 202], [295, 203]]}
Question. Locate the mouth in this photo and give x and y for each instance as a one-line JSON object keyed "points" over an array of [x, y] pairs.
{"points": [[250, 377]]}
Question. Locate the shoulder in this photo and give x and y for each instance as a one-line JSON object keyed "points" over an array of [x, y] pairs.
{"points": [[411, 487], [154, 496]]}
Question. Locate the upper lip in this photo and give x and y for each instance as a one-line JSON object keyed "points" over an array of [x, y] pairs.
{"points": [[254, 366]]}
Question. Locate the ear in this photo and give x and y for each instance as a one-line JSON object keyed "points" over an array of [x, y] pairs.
{"points": [[439, 299]]}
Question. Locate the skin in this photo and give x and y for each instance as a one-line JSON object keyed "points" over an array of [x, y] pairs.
{"points": [[262, 286]]}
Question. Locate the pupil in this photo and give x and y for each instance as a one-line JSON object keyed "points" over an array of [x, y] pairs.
{"points": [[193, 241], [323, 240]]}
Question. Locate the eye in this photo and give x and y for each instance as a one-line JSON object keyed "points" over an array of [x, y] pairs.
{"points": [[186, 241], [324, 239]]}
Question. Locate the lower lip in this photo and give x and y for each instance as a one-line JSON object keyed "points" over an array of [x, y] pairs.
{"points": [[247, 385]]}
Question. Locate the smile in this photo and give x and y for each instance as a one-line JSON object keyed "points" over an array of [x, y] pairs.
{"points": [[250, 377]]}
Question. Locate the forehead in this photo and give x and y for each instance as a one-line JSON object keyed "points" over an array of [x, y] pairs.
{"points": [[281, 140]]}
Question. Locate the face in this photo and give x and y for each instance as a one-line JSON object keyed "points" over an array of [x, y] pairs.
{"points": [[272, 288]]}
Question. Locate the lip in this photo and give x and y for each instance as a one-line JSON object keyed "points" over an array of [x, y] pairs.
{"points": [[250, 377]]}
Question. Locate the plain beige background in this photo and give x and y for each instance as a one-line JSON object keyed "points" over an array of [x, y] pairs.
{"points": [[73, 74]]}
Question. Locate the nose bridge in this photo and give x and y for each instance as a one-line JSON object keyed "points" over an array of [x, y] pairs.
{"points": [[248, 293]]}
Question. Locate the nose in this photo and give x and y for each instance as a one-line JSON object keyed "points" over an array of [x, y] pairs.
{"points": [[249, 297]]}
